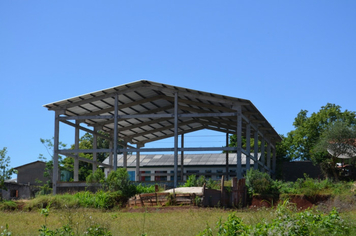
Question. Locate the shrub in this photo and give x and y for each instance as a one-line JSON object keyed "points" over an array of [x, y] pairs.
{"points": [[259, 182], [287, 222], [193, 181], [119, 181]]}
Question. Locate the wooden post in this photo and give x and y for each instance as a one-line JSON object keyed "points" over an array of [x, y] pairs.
{"points": [[222, 196], [234, 192]]}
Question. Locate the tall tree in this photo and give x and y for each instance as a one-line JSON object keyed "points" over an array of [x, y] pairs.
{"points": [[5, 170], [301, 141], [338, 140]]}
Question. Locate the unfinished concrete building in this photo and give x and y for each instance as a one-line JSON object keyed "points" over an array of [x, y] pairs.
{"points": [[137, 113]]}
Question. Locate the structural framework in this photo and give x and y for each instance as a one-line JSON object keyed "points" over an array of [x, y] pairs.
{"points": [[144, 111]]}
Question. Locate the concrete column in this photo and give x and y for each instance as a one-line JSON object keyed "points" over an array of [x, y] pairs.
{"points": [[116, 111], [175, 139], [269, 156], [182, 159], [227, 158], [125, 155], [255, 165], [55, 152], [239, 143], [248, 145], [263, 154], [111, 155], [95, 146], [274, 164], [76, 144], [138, 174]]}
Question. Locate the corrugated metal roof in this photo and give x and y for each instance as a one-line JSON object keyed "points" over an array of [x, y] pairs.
{"points": [[189, 159], [147, 97]]}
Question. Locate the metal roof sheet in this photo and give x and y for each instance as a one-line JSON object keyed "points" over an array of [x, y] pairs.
{"points": [[147, 97]]}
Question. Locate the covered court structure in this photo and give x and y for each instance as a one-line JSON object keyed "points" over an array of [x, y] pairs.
{"points": [[137, 113]]}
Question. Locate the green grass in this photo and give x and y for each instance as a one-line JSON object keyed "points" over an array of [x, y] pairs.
{"points": [[159, 222]]}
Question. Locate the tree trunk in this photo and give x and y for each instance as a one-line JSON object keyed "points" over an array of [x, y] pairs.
{"points": [[333, 168]]}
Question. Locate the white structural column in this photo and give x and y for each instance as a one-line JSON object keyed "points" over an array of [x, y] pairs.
{"points": [[125, 155], [227, 157], [95, 146], [263, 154], [76, 159], [116, 112], [255, 165], [182, 158], [176, 139], [55, 152], [239, 143], [269, 156], [248, 145]]}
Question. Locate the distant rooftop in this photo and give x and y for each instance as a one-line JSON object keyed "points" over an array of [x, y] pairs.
{"points": [[211, 159]]}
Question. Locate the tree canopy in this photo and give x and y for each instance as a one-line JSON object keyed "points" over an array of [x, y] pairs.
{"points": [[308, 130], [5, 170]]}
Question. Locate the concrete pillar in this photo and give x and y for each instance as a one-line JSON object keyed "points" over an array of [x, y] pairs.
{"points": [[125, 155], [175, 139], [116, 113], [269, 156], [76, 144], [263, 154], [95, 146], [227, 158], [55, 152], [248, 145], [274, 164], [239, 143], [255, 165], [138, 174], [182, 159]]}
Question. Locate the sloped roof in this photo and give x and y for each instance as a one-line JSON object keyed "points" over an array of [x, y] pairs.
{"points": [[147, 97], [31, 163], [164, 160]]}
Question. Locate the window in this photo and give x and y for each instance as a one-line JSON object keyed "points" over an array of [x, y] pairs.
{"points": [[172, 176], [193, 172], [219, 174], [208, 174], [145, 178], [131, 175], [160, 175]]}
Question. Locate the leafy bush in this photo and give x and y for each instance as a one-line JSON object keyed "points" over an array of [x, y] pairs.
{"points": [[140, 188], [287, 222], [259, 182], [119, 181], [193, 181]]}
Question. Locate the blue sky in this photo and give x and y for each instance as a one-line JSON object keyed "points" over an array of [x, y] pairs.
{"points": [[283, 56]]}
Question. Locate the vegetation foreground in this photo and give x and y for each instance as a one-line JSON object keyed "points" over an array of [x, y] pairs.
{"points": [[282, 220]]}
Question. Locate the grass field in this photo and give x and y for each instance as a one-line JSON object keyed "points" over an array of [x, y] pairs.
{"points": [[153, 221]]}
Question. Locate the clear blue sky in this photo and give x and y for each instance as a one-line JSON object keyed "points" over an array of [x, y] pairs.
{"points": [[284, 56]]}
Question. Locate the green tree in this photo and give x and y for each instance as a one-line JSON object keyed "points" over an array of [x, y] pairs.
{"points": [[67, 163], [86, 142], [337, 140], [48, 144], [301, 141], [5, 170]]}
